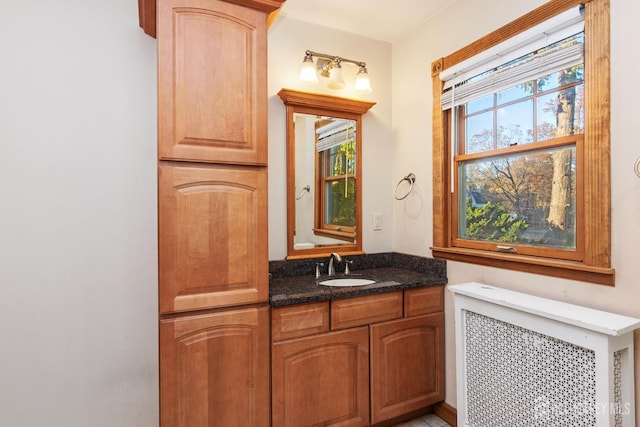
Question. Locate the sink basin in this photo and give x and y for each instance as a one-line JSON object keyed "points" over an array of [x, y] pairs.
{"points": [[346, 281]]}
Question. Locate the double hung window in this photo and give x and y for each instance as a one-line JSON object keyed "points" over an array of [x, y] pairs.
{"points": [[513, 139]]}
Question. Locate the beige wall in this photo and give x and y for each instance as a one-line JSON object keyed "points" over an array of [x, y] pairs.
{"points": [[78, 246]]}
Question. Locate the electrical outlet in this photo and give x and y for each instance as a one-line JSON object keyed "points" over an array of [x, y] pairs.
{"points": [[377, 221]]}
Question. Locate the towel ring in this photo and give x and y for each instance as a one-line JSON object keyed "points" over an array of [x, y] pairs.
{"points": [[636, 167], [411, 178], [301, 193]]}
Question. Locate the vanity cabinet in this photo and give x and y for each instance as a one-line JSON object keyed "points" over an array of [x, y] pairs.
{"points": [[323, 353]]}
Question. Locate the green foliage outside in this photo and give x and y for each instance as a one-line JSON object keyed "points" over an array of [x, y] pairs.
{"points": [[341, 203], [342, 209], [492, 222]]}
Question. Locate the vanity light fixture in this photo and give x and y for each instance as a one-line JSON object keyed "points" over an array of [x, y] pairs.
{"points": [[331, 66]]}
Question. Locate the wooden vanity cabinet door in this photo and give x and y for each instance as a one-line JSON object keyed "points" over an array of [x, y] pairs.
{"points": [[407, 365], [214, 369], [321, 380], [212, 236], [212, 82]]}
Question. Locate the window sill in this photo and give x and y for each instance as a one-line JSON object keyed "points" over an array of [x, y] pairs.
{"points": [[347, 236], [546, 266]]}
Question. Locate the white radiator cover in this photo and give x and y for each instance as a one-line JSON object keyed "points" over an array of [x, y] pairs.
{"points": [[523, 360]]}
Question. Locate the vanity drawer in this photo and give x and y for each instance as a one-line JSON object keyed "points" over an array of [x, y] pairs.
{"points": [[299, 320], [356, 311], [423, 300]]}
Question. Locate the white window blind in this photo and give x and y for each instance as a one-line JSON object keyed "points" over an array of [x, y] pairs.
{"points": [[335, 134], [473, 78]]}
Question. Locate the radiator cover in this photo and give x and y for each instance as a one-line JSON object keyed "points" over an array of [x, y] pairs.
{"points": [[527, 361]]}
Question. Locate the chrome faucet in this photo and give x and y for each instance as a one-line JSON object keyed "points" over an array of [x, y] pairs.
{"points": [[331, 269]]}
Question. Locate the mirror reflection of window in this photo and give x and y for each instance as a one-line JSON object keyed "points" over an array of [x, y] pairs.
{"points": [[336, 147], [326, 156]]}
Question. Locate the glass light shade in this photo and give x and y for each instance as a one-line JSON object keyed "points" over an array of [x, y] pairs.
{"points": [[362, 83], [308, 72], [336, 81]]}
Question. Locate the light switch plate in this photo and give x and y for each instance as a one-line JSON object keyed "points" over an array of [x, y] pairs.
{"points": [[377, 221]]}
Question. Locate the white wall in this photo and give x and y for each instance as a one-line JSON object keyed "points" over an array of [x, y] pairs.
{"points": [[78, 311], [412, 142], [288, 40]]}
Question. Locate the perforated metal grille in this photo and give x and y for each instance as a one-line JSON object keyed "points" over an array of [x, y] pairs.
{"points": [[517, 377], [617, 387]]}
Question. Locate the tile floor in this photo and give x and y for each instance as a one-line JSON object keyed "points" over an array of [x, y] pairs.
{"points": [[430, 420]]}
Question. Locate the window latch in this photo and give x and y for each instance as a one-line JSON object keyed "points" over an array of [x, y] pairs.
{"points": [[506, 248]]}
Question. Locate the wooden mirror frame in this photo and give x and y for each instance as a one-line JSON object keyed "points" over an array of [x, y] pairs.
{"points": [[322, 105]]}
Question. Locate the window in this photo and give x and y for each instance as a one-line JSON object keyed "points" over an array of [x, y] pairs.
{"points": [[521, 143], [517, 150]]}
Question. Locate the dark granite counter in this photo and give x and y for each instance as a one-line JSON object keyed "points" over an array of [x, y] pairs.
{"points": [[294, 282]]}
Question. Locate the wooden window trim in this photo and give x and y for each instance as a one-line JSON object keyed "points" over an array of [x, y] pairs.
{"points": [[596, 264]]}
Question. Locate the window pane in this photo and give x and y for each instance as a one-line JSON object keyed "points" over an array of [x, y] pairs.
{"points": [[342, 160], [335, 163], [515, 124], [561, 113], [555, 80], [480, 104], [528, 198], [479, 133], [517, 92], [340, 202], [349, 150]]}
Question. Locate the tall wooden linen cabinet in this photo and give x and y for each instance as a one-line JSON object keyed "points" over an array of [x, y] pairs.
{"points": [[212, 210]]}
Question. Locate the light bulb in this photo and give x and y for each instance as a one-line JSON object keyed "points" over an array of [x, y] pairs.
{"points": [[308, 71], [362, 83], [336, 81]]}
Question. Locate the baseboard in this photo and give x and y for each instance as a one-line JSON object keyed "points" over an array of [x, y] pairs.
{"points": [[447, 413]]}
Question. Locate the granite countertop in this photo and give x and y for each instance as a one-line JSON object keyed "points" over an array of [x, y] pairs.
{"points": [[291, 284]]}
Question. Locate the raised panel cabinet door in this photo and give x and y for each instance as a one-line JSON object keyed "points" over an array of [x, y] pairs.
{"points": [[212, 90], [407, 365], [214, 369], [321, 380], [212, 236]]}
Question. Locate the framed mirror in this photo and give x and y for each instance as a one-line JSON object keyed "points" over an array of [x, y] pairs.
{"points": [[324, 173]]}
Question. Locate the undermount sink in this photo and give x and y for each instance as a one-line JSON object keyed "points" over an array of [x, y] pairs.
{"points": [[346, 281]]}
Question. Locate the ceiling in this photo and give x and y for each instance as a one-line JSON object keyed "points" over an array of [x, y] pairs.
{"points": [[371, 18]]}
